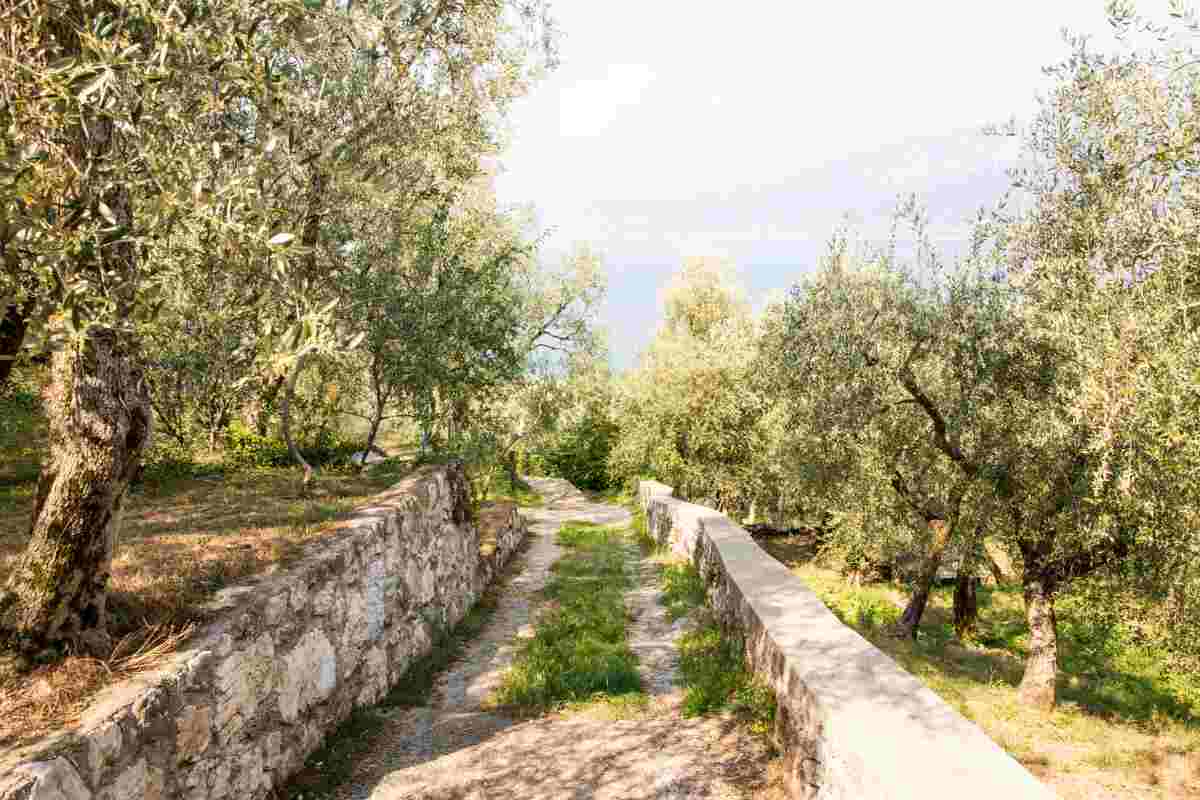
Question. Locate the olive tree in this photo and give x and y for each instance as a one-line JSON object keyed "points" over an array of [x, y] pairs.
{"points": [[142, 141], [688, 412], [859, 355]]}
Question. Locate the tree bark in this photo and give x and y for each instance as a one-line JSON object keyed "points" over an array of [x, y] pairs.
{"points": [[966, 606], [285, 422], [997, 573], [99, 413], [1037, 687], [910, 620]]}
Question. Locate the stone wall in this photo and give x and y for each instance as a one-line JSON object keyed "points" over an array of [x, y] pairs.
{"points": [[289, 656], [851, 722]]}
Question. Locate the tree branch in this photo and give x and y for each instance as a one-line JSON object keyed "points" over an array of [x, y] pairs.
{"points": [[941, 436]]}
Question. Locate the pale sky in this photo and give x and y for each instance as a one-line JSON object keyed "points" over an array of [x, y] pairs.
{"points": [[748, 130]]}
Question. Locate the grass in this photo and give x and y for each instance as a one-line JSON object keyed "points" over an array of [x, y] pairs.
{"points": [[682, 588], [715, 678], [1126, 724], [579, 648], [712, 666], [640, 530]]}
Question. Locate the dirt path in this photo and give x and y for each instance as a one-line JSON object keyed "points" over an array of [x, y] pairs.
{"points": [[454, 749]]}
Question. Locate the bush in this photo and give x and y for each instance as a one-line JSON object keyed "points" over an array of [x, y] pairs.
{"points": [[245, 449], [580, 455], [167, 460]]}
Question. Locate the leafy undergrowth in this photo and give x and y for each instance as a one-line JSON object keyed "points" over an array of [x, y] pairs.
{"points": [[1126, 725], [579, 648]]}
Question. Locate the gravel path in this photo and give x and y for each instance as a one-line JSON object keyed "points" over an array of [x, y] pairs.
{"points": [[453, 749]]}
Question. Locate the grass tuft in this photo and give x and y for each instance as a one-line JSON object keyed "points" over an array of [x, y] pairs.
{"points": [[578, 649], [715, 678], [682, 588]]}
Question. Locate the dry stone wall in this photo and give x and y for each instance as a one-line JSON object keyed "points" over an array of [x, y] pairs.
{"points": [[289, 657], [851, 722]]}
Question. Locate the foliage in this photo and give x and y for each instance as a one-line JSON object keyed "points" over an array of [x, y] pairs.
{"points": [[578, 648], [580, 453], [689, 412], [1043, 393], [245, 449], [183, 187]]}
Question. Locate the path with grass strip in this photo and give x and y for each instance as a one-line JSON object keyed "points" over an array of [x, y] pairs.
{"points": [[458, 745]]}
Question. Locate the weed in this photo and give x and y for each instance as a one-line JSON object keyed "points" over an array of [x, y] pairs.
{"points": [[578, 649], [715, 678], [682, 588]]}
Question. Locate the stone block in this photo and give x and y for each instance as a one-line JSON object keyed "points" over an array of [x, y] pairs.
{"points": [[193, 732], [309, 675]]}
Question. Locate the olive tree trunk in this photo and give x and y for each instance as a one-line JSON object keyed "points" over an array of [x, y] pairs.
{"points": [[98, 406], [910, 620], [966, 606], [1037, 687]]}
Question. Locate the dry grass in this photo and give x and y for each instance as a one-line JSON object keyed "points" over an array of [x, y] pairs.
{"points": [[1123, 729], [56, 694], [180, 543]]}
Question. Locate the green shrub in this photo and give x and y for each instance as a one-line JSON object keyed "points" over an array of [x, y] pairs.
{"points": [[245, 448], [579, 455]]}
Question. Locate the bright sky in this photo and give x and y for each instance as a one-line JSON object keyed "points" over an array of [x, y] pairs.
{"points": [[748, 130]]}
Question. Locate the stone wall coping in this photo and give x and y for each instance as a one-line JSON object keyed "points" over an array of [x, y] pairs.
{"points": [[881, 732]]}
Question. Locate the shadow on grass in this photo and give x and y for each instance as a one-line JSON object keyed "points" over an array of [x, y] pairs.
{"points": [[1103, 674]]}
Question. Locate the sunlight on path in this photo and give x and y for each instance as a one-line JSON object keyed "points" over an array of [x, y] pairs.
{"points": [[453, 748]]}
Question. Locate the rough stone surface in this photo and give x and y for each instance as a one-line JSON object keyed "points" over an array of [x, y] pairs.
{"points": [[289, 657], [851, 722]]}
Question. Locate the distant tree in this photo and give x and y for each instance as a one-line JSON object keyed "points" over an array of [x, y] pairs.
{"points": [[688, 413]]}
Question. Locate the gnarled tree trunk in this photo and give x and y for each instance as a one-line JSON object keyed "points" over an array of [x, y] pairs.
{"points": [[910, 620], [1041, 667], [99, 413], [966, 606]]}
